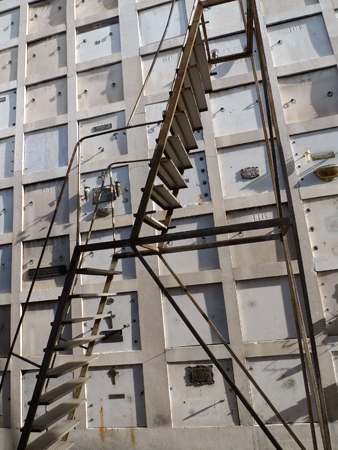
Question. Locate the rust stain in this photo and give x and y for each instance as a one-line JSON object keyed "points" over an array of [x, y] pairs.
{"points": [[102, 428], [132, 435], [132, 428]]}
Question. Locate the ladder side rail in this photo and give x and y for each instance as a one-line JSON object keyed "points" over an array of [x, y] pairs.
{"points": [[62, 307], [249, 26]]}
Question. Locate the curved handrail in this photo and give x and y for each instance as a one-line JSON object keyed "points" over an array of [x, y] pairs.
{"points": [[76, 148]]}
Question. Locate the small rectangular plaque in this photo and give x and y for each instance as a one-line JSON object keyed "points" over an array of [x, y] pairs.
{"points": [[105, 196], [249, 173], [114, 396], [112, 336], [46, 272], [98, 25], [325, 155], [107, 126], [200, 375], [2, 99]]}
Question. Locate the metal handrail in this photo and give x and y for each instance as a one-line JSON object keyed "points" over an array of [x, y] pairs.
{"points": [[75, 150]]}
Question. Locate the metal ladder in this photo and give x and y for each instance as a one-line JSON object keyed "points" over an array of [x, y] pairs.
{"points": [[50, 439], [182, 119]]}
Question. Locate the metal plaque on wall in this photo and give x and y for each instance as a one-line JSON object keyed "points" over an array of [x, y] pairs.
{"points": [[105, 196], [200, 375], [112, 336], [45, 272]]}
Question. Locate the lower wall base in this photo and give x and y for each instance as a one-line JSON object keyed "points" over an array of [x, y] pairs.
{"points": [[226, 438], [207, 438]]}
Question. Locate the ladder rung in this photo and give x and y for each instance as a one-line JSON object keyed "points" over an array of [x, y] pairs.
{"points": [[154, 223], [193, 79], [187, 103], [182, 127], [84, 318], [70, 366], [199, 56], [175, 150], [169, 174], [91, 271], [164, 198], [95, 294], [55, 414], [76, 343], [60, 391], [46, 440]]}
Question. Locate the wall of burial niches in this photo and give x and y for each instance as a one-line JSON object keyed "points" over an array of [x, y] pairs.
{"points": [[70, 70]]}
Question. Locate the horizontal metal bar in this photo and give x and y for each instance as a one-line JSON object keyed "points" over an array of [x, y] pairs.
{"points": [[227, 58], [26, 360], [203, 246], [214, 231], [208, 3]]}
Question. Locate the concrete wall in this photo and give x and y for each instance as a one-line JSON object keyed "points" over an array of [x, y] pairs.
{"points": [[70, 66]]}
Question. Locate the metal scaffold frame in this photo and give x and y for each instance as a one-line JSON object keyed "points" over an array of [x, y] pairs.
{"points": [[284, 228]]}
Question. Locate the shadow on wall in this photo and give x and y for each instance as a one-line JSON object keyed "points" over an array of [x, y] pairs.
{"points": [[291, 416]]}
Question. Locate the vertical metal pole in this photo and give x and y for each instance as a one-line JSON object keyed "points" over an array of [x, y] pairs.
{"points": [[78, 234], [321, 406]]}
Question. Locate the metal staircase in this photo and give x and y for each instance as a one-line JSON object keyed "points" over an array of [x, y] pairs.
{"points": [[170, 160], [49, 370], [176, 137], [182, 119]]}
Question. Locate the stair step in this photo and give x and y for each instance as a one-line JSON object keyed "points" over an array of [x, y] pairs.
{"points": [[182, 127], [175, 150], [154, 223], [91, 271], [55, 394], [193, 79], [164, 198], [84, 318], [55, 414], [199, 56], [76, 343], [170, 175], [62, 445], [46, 440], [70, 366], [187, 103]]}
